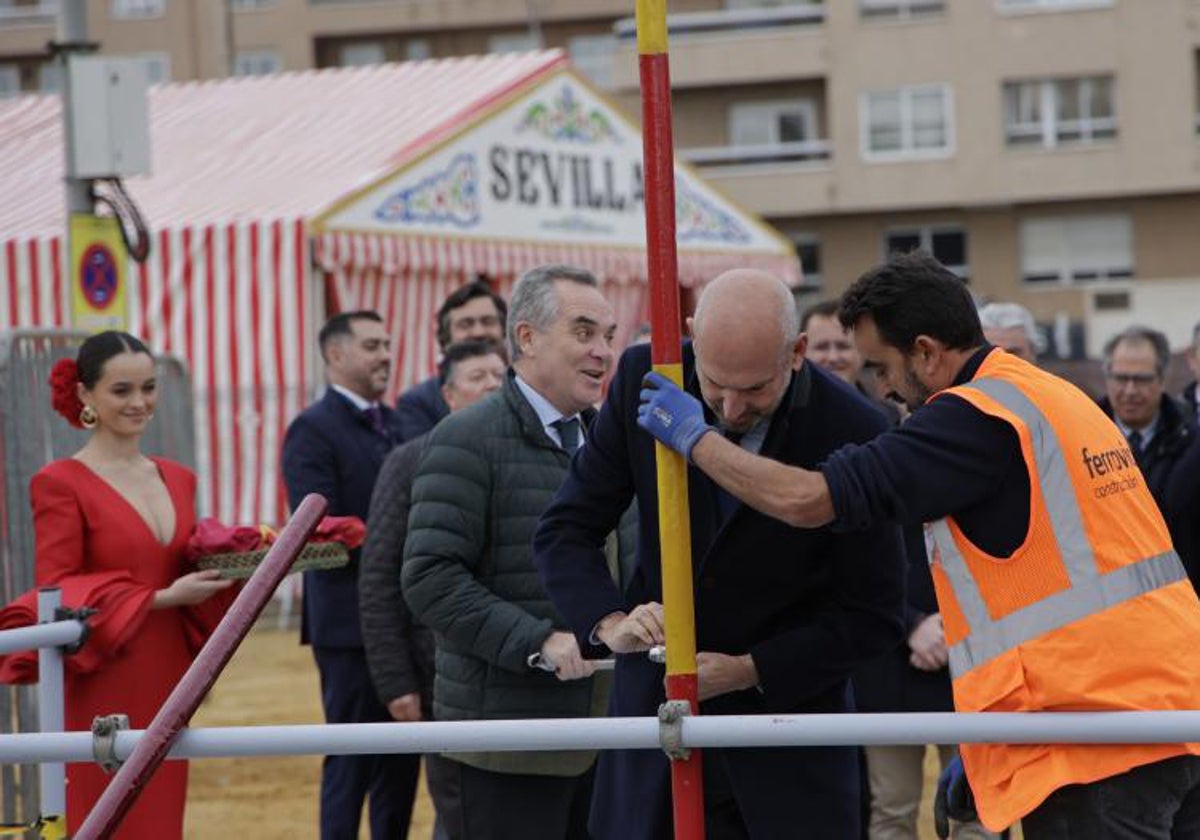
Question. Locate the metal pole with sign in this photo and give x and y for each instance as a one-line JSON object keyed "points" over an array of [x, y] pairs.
{"points": [[106, 136], [98, 270]]}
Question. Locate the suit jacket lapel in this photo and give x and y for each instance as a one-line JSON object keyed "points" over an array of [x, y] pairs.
{"points": [[368, 441]]}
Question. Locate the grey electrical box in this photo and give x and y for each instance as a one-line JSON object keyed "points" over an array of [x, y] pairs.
{"points": [[109, 121]]}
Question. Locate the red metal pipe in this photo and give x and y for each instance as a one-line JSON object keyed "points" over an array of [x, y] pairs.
{"points": [[666, 351], [187, 695], [658, 161], [687, 774]]}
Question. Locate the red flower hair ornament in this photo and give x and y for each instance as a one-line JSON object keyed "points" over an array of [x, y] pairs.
{"points": [[64, 391]]}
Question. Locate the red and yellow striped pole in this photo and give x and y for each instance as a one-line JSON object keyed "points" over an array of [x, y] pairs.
{"points": [[658, 157]]}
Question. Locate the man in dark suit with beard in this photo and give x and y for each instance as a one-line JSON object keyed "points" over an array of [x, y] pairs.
{"points": [[335, 447]]}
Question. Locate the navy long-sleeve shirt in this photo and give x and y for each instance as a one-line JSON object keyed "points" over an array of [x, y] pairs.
{"points": [[949, 458]]}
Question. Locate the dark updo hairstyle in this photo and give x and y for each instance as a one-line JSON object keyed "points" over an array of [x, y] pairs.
{"points": [[97, 350], [85, 369]]}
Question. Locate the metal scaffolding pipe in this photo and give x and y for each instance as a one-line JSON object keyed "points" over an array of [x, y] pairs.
{"points": [[632, 733], [36, 636], [52, 776]]}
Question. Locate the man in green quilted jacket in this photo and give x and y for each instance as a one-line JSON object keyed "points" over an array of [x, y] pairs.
{"points": [[487, 474]]}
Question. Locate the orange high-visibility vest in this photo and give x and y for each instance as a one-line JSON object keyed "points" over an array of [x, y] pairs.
{"points": [[1093, 612]]}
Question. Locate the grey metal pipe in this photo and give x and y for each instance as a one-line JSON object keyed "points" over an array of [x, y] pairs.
{"points": [[73, 32], [52, 776], [40, 636], [633, 733]]}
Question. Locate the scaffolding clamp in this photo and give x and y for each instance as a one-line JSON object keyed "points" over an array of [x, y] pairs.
{"points": [[670, 728], [81, 615], [104, 740]]}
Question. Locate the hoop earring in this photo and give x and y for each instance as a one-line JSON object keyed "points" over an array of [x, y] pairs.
{"points": [[88, 417]]}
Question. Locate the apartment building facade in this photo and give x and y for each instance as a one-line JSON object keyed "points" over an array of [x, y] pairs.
{"points": [[200, 39], [1047, 150]]}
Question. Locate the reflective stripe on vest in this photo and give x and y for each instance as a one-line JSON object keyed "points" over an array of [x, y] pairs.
{"points": [[1090, 592]]}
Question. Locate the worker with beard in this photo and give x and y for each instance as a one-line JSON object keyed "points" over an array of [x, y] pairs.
{"points": [[1054, 570]]}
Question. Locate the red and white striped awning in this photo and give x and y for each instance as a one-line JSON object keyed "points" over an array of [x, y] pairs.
{"points": [[261, 147], [238, 167], [242, 171], [396, 275]]}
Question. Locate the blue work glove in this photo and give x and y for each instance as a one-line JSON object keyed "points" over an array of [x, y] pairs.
{"points": [[953, 800], [671, 414]]}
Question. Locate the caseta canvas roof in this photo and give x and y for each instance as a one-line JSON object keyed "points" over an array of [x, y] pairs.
{"points": [[276, 199]]}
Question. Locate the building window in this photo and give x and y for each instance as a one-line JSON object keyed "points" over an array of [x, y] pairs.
{"points": [[50, 77], [10, 80], [1077, 249], [417, 49], [1053, 112], [771, 123], [158, 67], [514, 42], [593, 55], [134, 9], [361, 54], [808, 249], [900, 9], [257, 63], [911, 122], [1050, 5], [947, 244]]}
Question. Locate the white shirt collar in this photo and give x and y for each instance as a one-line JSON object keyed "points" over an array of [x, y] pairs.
{"points": [[544, 409], [355, 400], [1147, 433]]}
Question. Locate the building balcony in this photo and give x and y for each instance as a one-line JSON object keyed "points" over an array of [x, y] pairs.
{"points": [[807, 151], [734, 46], [778, 189]]}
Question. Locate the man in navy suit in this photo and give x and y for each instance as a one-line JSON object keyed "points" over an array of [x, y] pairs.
{"points": [[335, 448], [774, 635]]}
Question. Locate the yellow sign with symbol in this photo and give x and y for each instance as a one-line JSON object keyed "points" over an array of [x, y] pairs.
{"points": [[98, 274]]}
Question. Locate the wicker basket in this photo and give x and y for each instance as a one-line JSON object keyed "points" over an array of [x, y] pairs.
{"points": [[325, 555]]}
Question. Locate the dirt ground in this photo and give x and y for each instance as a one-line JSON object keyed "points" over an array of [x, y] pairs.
{"points": [[272, 680]]}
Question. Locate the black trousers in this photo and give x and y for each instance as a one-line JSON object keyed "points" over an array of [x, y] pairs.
{"points": [[441, 777], [515, 806], [1159, 801], [388, 782]]}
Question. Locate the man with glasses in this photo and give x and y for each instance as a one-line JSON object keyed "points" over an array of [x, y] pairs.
{"points": [[1191, 402], [1155, 424]]}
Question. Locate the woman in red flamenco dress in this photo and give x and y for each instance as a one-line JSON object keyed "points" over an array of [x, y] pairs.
{"points": [[111, 526]]}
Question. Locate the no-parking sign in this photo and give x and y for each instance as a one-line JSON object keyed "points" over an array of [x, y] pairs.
{"points": [[97, 274]]}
